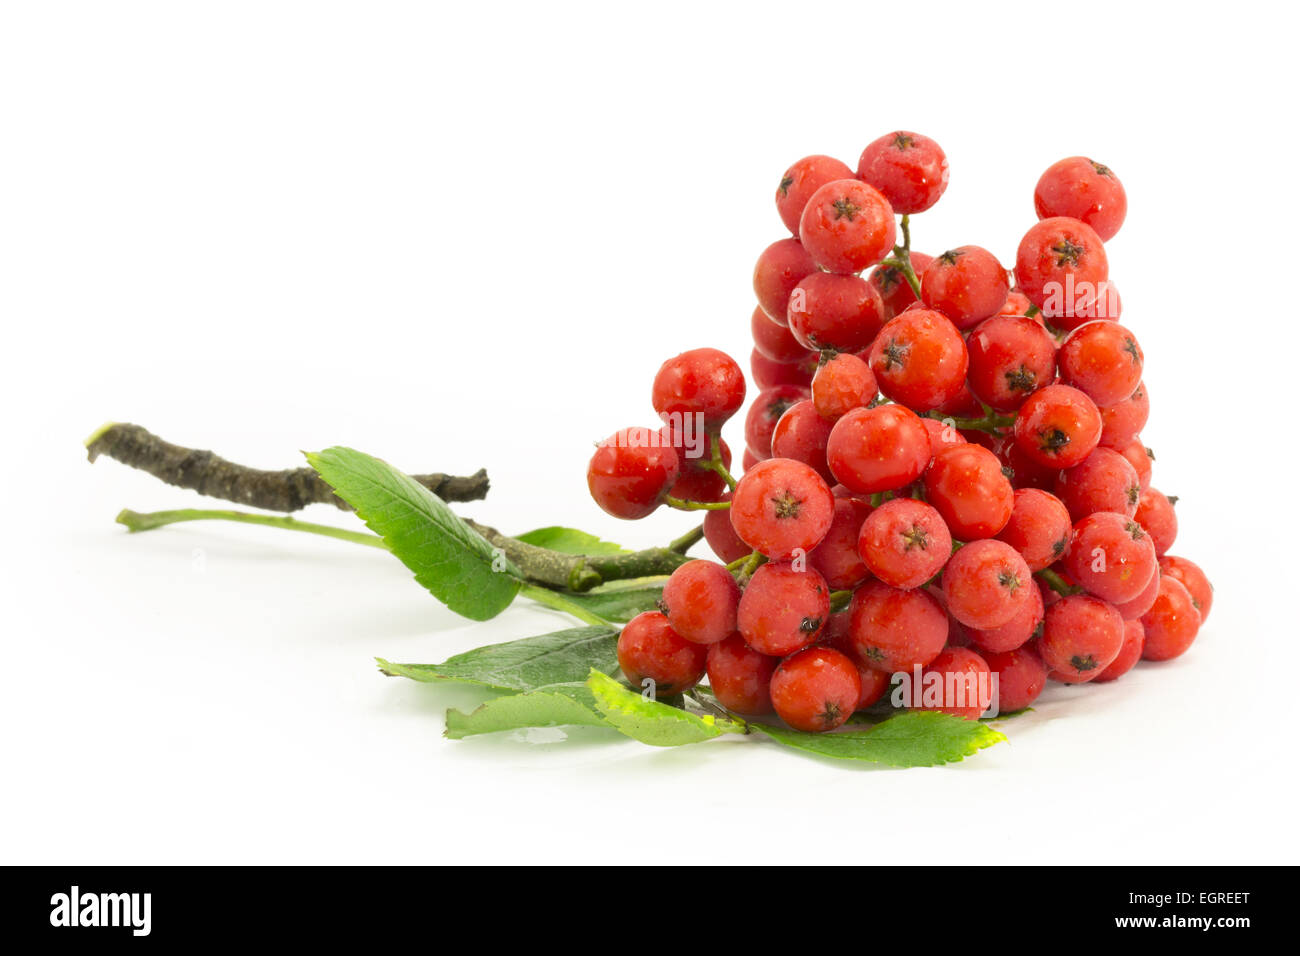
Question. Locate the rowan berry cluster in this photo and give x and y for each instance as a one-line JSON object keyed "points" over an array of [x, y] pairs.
{"points": [[943, 470]]}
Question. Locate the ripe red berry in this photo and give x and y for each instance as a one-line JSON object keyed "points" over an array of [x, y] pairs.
{"points": [[779, 269], [1021, 677], [704, 382], [773, 340], [1082, 635], [1111, 556], [895, 291], [1122, 422], [837, 558], [964, 685], [1155, 513], [1130, 653], [1134, 609], [1058, 426], [986, 583], [1014, 633], [769, 405], [1103, 360], [919, 360], [801, 435], [844, 382], [800, 181], [1085, 307], [895, 630], [1191, 576], [700, 601], [631, 472], [942, 435], [904, 543], [816, 689], [1017, 304], [649, 649], [829, 311], [909, 169], [1039, 528], [769, 374], [1104, 481], [780, 507], [1140, 457], [967, 284], [1011, 357], [966, 484], [740, 677], [1085, 190], [783, 608], [1172, 623], [722, 537], [696, 482], [847, 226], [878, 449], [1060, 265]]}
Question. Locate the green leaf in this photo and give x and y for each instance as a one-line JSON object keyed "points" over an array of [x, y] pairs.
{"points": [[453, 561], [648, 720], [618, 602], [569, 541], [917, 738], [547, 707], [561, 657]]}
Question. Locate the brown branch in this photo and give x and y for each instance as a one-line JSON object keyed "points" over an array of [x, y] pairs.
{"points": [[209, 474]]}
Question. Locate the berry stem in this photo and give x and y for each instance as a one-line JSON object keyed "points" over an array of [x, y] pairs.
{"points": [[715, 463], [688, 540], [137, 521], [991, 422], [748, 566], [682, 504], [1057, 583], [902, 260]]}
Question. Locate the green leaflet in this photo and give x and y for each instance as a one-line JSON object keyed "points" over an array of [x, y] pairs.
{"points": [[619, 600], [912, 739], [560, 657], [569, 541], [454, 562], [650, 721], [547, 707]]}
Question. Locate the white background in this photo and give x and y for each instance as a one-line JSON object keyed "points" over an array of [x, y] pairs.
{"points": [[463, 236]]}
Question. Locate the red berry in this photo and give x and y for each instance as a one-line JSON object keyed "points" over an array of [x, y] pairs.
{"points": [[1058, 426], [1172, 622], [1140, 457], [1121, 422], [1085, 190], [1130, 653], [1104, 481], [700, 601], [1039, 528], [1024, 471], [769, 405], [847, 226], [1082, 635], [740, 677], [1155, 513], [773, 340], [967, 284], [837, 558], [1111, 556], [1017, 304], [816, 689], [919, 360], [909, 169], [1191, 576], [986, 583], [964, 685], [769, 374], [696, 482], [1011, 357], [966, 484], [704, 382], [800, 181], [722, 537], [1016, 631], [631, 472], [780, 507], [783, 608], [1021, 677], [1134, 609], [942, 435], [649, 649], [1060, 265], [1106, 306], [842, 383], [904, 543], [1103, 360], [895, 291], [779, 269], [895, 630], [801, 435], [829, 311], [878, 449]]}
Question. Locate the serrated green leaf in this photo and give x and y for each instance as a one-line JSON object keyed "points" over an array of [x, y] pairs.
{"points": [[454, 562], [915, 738], [615, 602], [560, 704], [649, 721], [560, 657], [569, 541]]}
